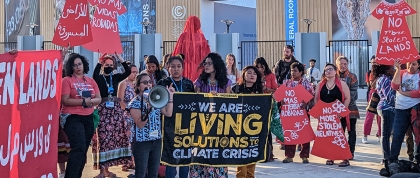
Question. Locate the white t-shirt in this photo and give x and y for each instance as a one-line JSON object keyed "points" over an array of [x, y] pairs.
{"points": [[409, 82], [232, 78]]}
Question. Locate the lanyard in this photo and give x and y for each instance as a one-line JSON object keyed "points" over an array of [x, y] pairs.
{"points": [[82, 87], [153, 79], [176, 85], [110, 87], [110, 80]]}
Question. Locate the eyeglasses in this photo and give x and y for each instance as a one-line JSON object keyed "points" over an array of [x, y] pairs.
{"points": [[77, 65], [329, 69], [207, 63], [147, 82]]}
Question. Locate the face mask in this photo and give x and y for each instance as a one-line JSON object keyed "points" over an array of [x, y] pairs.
{"points": [[108, 70]]}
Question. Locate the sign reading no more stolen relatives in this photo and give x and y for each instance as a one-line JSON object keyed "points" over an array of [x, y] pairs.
{"points": [[227, 129]]}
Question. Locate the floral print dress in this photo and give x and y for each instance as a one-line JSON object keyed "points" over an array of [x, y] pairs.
{"points": [[111, 145], [128, 96]]}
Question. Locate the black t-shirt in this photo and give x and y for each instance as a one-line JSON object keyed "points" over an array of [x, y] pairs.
{"points": [[240, 88], [282, 70], [187, 84], [333, 95], [116, 79]]}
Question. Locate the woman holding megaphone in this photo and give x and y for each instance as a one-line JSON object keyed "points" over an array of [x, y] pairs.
{"points": [[146, 142]]}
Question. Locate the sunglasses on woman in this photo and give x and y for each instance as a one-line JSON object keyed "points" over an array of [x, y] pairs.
{"points": [[147, 82]]}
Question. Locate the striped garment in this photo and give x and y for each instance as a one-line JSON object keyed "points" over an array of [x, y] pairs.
{"points": [[386, 93], [306, 84], [206, 88]]}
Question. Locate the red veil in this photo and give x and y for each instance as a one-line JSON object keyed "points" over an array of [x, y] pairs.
{"points": [[193, 45]]}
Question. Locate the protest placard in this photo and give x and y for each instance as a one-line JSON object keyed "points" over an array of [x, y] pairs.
{"points": [[73, 28], [296, 125], [330, 141], [106, 36], [395, 41], [30, 85], [229, 129]]}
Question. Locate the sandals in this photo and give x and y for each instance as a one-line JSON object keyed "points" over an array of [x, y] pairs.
{"points": [[329, 162], [288, 160], [124, 168], [345, 163], [100, 176]]}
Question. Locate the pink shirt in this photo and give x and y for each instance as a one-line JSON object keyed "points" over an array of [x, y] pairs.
{"points": [[70, 86]]}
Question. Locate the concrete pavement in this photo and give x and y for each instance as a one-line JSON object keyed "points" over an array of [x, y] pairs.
{"points": [[367, 162]]}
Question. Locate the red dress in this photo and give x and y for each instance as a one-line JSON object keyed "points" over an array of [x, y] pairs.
{"points": [[330, 141], [395, 41], [296, 125], [106, 37]]}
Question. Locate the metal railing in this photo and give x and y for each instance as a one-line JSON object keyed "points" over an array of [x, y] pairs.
{"points": [[128, 51], [168, 47], [272, 51], [357, 51], [7, 46], [49, 45]]}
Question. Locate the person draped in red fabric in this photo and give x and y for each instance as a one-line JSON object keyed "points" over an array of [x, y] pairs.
{"points": [[193, 45]]}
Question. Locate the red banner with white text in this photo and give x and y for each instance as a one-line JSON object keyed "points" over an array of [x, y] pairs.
{"points": [[106, 37], [74, 28], [30, 93]]}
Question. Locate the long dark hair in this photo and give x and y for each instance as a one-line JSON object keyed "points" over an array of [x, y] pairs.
{"points": [[219, 68], [378, 70], [329, 64], [137, 82], [258, 83], [158, 72], [68, 66], [262, 62]]}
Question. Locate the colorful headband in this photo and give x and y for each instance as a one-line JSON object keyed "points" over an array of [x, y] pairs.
{"points": [[107, 56], [179, 55]]}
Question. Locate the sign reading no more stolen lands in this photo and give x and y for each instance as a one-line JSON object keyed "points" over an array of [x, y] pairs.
{"points": [[395, 41], [227, 129]]}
